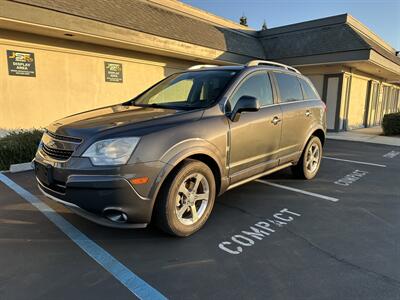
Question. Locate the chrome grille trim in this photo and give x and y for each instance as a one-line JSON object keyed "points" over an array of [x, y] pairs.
{"points": [[56, 153], [64, 138]]}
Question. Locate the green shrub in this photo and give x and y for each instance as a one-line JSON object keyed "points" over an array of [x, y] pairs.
{"points": [[391, 124], [18, 147]]}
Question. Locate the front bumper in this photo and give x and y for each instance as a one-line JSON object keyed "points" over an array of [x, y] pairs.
{"points": [[91, 191], [90, 216]]}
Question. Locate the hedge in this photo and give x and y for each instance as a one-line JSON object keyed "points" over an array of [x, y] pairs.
{"points": [[391, 124], [18, 147]]}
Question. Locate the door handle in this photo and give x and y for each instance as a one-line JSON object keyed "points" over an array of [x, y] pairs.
{"points": [[308, 113], [275, 120]]}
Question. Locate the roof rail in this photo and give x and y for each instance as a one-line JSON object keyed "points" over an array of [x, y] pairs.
{"points": [[271, 63], [196, 67]]}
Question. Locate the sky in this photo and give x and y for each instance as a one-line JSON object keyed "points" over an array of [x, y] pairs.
{"points": [[381, 16]]}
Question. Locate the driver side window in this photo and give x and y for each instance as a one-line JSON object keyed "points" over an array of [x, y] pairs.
{"points": [[258, 86]]}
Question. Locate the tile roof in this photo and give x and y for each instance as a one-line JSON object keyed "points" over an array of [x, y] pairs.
{"points": [[382, 51], [322, 36], [314, 41], [150, 18]]}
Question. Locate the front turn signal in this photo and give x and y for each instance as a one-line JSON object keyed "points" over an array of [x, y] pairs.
{"points": [[140, 180]]}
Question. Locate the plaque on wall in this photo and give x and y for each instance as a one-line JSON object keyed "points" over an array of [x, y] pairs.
{"points": [[21, 63], [113, 72]]}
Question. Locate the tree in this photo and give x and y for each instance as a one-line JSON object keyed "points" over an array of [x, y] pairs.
{"points": [[243, 20], [264, 26]]}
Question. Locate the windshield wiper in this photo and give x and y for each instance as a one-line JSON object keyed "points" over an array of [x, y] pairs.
{"points": [[155, 105], [165, 106]]}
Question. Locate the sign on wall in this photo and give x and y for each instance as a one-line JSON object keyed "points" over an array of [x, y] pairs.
{"points": [[113, 72], [21, 63]]}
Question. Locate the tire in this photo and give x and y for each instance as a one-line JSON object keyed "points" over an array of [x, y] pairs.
{"points": [[176, 208], [310, 160]]}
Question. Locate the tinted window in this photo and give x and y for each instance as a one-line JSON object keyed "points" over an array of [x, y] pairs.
{"points": [[308, 91], [187, 90], [258, 86], [289, 87]]}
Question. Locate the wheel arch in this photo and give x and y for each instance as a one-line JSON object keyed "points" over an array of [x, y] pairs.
{"points": [[202, 154], [212, 164], [318, 132]]}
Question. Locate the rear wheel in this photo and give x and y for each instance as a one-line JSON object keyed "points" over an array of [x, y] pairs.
{"points": [[310, 160], [186, 199]]}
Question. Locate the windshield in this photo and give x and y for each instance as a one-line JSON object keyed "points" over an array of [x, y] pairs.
{"points": [[187, 90]]}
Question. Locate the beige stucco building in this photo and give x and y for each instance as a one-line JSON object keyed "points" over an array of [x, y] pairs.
{"points": [[62, 57]]}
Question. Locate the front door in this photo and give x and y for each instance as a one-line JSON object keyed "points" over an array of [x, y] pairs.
{"points": [[255, 137]]}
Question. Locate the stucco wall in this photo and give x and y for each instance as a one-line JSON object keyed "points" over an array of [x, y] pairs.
{"points": [[366, 103], [71, 79], [355, 97]]}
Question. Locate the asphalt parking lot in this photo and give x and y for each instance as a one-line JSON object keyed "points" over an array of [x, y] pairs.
{"points": [[335, 237]]}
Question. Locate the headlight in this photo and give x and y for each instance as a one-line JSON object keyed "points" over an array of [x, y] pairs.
{"points": [[112, 151]]}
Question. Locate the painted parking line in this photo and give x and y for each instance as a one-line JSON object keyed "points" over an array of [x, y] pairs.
{"points": [[297, 190], [355, 161], [391, 154], [134, 283]]}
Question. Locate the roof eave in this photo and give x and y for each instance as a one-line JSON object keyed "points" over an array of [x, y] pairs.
{"points": [[371, 61], [20, 17]]}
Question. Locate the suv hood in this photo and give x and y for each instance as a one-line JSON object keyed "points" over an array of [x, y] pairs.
{"points": [[91, 122]]}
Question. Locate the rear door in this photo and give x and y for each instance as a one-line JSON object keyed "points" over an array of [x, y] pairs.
{"points": [[255, 137], [297, 116]]}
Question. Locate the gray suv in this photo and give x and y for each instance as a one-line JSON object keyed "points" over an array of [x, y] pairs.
{"points": [[166, 154]]}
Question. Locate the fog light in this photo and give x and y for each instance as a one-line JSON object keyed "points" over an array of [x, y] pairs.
{"points": [[116, 216]]}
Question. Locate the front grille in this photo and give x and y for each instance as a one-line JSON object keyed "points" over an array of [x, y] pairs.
{"points": [[64, 138], [56, 153]]}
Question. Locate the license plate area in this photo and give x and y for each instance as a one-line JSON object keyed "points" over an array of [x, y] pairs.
{"points": [[43, 173]]}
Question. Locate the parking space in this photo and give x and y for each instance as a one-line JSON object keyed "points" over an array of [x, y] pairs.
{"points": [[335, 237], [36, 259]]}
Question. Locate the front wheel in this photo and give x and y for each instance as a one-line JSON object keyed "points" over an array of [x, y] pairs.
{"points": [[186, 199], [310, 160]]}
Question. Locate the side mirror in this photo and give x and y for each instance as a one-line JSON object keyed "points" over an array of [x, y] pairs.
{"points": [[245, 103]]}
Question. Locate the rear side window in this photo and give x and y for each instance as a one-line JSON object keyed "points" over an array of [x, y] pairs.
{"points": [[289, 87], [258, 85], [308, 91]]}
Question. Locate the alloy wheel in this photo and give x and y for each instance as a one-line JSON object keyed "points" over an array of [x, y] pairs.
{"points": [[313, 158], [192, 199]]}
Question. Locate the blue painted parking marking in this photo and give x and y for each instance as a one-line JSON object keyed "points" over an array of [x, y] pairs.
{"points": [[134, 283]]}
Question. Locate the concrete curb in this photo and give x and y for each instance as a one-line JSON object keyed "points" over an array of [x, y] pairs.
{"points": [[16, 168], [365, 138]]}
